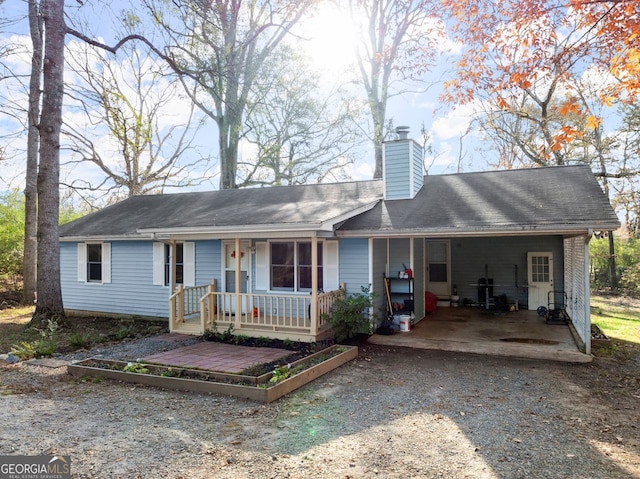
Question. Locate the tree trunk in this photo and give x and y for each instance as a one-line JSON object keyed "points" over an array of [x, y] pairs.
{"points": [[30, 190], [49, 304], [613, 277]]}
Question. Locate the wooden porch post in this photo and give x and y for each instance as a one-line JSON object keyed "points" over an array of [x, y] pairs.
{"points": [[238, 257], [173, 251], [314, 286]]}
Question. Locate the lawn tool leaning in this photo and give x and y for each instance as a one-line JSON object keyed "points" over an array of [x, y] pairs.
{"points": [[387, 324]]}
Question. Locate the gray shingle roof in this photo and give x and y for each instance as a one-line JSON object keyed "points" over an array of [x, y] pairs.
{"points": [[536, 199], [285, 205], [526, 200]]}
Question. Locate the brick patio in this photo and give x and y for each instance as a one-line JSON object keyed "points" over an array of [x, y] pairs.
{"points": [[215, 356]]}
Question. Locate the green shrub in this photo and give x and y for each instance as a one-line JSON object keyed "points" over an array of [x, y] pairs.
{"points": [[25, 350], [45, 347], [79, 340], [350, 314]]}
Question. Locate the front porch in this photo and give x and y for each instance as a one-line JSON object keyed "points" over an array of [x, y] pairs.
{"points": [[296, 317]]}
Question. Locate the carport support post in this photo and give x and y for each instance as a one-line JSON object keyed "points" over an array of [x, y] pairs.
{"points": [[587, 297], [238, 284], [314, 285]]}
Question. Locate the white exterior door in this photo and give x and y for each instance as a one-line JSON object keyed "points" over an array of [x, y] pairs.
{"points": [[437, 272], [229, 251], [540, 278]]}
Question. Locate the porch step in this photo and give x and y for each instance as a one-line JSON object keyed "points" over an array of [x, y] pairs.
{"points": [[188, 328]]}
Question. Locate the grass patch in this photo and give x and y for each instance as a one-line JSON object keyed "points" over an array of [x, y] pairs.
{"points": [[619, 319]]}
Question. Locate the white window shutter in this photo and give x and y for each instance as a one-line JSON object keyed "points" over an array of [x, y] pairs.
{"points": [[330, 268], [158, 264], [106, 262], [82, 262], [189, 258], [262, 267]]}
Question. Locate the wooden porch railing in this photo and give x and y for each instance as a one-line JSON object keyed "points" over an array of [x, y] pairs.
{"points": [[254, 314], [184, 304]]}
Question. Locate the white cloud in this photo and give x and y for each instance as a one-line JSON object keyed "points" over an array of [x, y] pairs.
{"points": [[455, 123]]}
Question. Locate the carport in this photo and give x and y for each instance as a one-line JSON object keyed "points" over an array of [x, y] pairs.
{"points": [[519, 334]]}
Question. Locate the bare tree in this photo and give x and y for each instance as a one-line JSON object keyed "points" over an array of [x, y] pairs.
{"points": [[299, 137], [132, 99], [49, 303], [222, 46], [398, 42], [33, 143]]}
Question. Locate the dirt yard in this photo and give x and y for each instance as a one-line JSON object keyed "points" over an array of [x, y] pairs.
{"points": [[391, 413], [396, 413]]}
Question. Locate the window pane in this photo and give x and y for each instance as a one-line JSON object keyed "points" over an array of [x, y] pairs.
{"points": [[304, 277], [282, 253], [304, 266], [179, 274], [95, 271], [94, 262], [304, 253], [282, 277], [94, 253], [179, 264], [282, 268], [438, 272]]}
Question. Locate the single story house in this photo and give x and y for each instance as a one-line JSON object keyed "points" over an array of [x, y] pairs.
{"points": [[266, 260]]}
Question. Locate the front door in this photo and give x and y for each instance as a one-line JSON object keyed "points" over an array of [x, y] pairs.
{"points": [[230, 268], [437, 268], [540, 277]]}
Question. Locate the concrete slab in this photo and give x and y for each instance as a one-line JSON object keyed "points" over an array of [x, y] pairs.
{"points": [[48, 362], [521, 334]]}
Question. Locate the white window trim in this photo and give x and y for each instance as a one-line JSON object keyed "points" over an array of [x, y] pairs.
{"points": [[82, 261], [295, 265], [188, 263]]}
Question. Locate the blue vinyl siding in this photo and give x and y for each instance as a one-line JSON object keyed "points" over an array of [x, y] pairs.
{"points": [[402, 169], [209, 262], [503, 257], [354, 263], [397, 172], [418, 174], [131, 290]]}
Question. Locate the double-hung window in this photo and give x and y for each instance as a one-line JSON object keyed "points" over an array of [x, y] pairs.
{"points": [[291, 268], [179, 264], [94, 263]]}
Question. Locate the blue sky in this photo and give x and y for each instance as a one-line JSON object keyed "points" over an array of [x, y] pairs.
{"points": [[330, 40], [328, 47]]}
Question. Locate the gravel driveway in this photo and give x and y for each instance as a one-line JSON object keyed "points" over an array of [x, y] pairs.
{"points": [[392, 413]]}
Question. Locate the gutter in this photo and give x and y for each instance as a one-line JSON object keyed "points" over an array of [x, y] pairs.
{"points": [[566, 230]]}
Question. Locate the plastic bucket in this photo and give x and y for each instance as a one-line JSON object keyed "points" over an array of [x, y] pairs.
{"points": [[405, 322]]}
